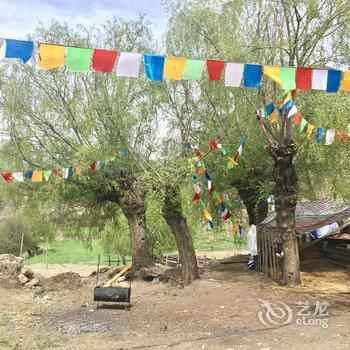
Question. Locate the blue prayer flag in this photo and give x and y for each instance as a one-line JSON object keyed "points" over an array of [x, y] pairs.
{"points": [[333, 80], [28, 174], [22, 50], [207, 176], [320, 134], [269, 109], [287, 105], [211, 224], [252, 75], [70, 171], [154, 66]]}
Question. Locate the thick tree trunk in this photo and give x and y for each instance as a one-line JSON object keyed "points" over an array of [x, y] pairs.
{"points": [[286, 196], [135, 211], [172, 213], [257, 206]]}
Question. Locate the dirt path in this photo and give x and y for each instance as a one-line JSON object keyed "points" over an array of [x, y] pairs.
{"points": [[220, 311]]}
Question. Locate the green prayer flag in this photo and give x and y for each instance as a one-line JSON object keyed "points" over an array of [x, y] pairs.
{"points": [[348, 130], [193, 69], [287, 75], [229, 165], [223, 151], [78, 59], [47, 174], [303, 124]]}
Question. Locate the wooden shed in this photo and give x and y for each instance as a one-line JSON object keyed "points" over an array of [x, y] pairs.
{"points": [[310, 217]]}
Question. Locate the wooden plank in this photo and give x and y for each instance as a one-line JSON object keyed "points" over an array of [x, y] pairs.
{"points": [[119, 274]]}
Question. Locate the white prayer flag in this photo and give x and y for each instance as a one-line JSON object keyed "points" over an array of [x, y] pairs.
{"points": [[319, 79], [65, 173], [292, 111], [330, 135], [18, 176], [129, 64], [233, 74]]}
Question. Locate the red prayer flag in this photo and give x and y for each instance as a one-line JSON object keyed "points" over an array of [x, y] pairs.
{"points": [[341, 136], [215, 69], [213, 145], [7, 177], [303, 78], [297, 119], [196, 197], [103, 60], [57, 173]]}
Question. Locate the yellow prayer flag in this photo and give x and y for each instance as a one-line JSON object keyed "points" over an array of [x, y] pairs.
{"points": [[207, 215], [234, 227], [273, 72], [51, 56], [345, 85], [174, 67], [310, 129], [287, 98], [273, 118], [232, 161], [37, 176], [201, 170], [78, 169]]}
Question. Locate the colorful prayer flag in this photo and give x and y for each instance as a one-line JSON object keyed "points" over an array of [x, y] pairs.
{"points": [[78, 169], [78, 59], [7, 176], [310, 129], [51, 56], [333, 80], [37, 176], [303, 124], [57, 172], [303, 78], [19, 49], [345, 85], [252, 75], [330, 136], [103, 60], [28, 174], [231, 163], [215, 69], [273, 118], [268, 110], [320, 134], [341, 136], [154, 67], [319, 79], [193, 69], [174, 67], [273, 73], [287, 75], [47, 174], [18, 176], [129, 64], [207, 215], [297, 119], [233, 74]]}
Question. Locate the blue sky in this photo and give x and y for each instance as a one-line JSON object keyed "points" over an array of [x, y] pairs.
{"points": [[20, 17]]}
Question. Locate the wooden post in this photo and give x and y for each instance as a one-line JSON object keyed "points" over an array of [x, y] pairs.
{"points": [[21, 248]]}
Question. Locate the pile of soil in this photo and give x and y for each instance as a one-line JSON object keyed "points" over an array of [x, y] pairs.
{"points": [[62, 281], [10, 268]]}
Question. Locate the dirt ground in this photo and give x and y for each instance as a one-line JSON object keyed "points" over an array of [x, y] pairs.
{"points": [[219, 311]]}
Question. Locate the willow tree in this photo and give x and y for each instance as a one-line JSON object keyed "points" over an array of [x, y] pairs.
{"points": [[284, 33], [57, 118]]}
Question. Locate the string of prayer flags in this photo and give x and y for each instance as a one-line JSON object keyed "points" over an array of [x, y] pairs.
{"points": [[78, 59], [215, 69], [193, 69], [154, 67], [19, 49], [233, 74], [252, 75], [303, 78], [174, 67], [129, 64], [103, 60], [51, 56], [320, 135]]}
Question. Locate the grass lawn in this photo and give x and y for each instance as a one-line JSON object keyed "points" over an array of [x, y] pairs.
{"points": [[74, 252]]}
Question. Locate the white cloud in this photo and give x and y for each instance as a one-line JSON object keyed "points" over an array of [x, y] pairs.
{"points": [[20, 17]]}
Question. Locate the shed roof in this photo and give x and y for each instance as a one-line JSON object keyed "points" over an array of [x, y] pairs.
{"points": [[312, 215]]}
